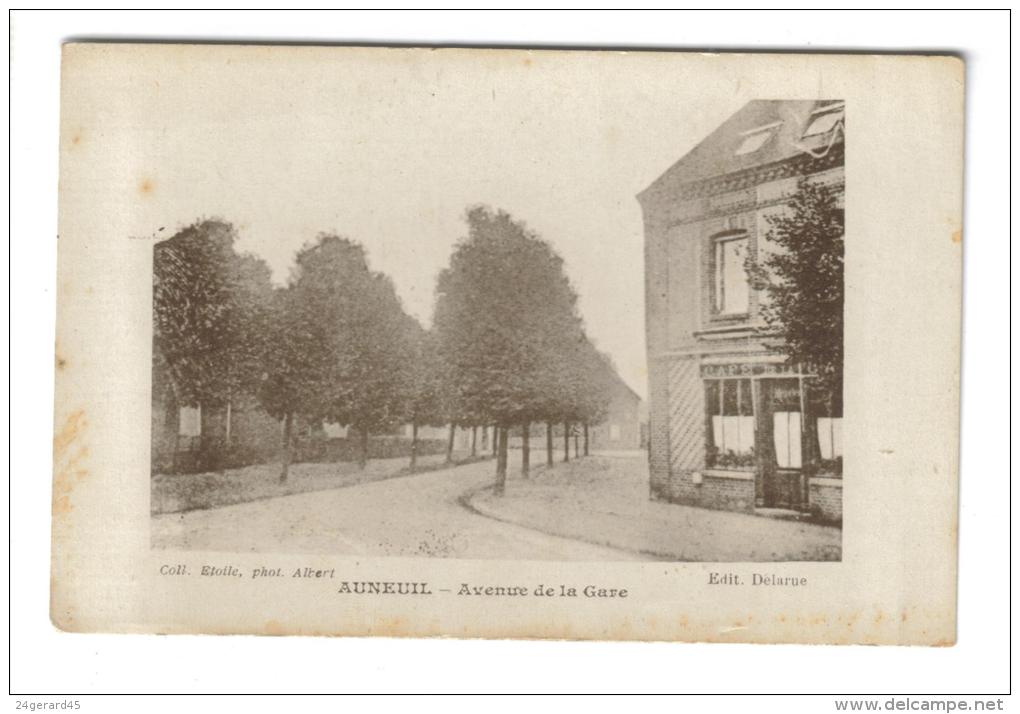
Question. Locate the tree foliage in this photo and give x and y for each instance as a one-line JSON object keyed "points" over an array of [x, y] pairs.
{"points": [[211, 308], [341, 342], [506, 319], [509, 332], [507, 346], [597, 383], [428, 381], [803, 281]]}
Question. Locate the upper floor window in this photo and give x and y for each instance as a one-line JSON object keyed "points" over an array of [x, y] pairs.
{"points": [[754, 139], [824, 120], [732, 288]]}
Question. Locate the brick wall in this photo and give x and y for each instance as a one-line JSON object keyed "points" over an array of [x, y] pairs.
{"points": [[686, 416], [726, 494], [164, 428], [658, 424], [826, 501]]}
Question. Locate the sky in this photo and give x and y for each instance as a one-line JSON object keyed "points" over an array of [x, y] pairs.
{"points": [[389, 147]]}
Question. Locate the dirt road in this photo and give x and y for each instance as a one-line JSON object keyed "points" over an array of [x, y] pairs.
{"points": [[412, 515]]}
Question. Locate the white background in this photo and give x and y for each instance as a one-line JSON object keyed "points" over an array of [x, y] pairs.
{"points": [[45, 661]]}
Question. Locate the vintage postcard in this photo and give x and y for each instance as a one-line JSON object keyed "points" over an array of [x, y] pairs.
{"points": [[508, 343]]}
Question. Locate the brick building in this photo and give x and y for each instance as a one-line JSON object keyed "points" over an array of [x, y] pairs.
{"points": [[730, 426]]}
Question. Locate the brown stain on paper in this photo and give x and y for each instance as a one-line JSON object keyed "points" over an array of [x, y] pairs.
{"points": [[68, 457], [146, 187], [957, 236], [275, 628]]}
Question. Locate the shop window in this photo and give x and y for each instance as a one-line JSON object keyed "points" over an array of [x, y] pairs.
{"points": [[190, 421], [829, 423], [730, 423], [732, 288], [830, 438]]}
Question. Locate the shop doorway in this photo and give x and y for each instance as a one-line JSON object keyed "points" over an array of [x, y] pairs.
{"points": [[780, 445]]}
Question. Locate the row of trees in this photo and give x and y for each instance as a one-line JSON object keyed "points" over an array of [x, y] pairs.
{"points": [[507, 346], [508, 333]]}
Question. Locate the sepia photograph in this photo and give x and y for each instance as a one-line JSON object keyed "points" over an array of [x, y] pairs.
{"points": [[505, 343], [474, 403]]}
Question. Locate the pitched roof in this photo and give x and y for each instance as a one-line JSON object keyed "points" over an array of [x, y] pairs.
{"points": [[782, 124], [620, 383]]}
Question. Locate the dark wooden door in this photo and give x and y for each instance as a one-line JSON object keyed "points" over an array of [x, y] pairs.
{"points": [[781, 438]]}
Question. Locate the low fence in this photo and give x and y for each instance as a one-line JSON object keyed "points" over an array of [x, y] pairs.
{"points": [[199, 455]]}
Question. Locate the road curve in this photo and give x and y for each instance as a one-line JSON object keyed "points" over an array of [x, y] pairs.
{"points": [[418, 515]]}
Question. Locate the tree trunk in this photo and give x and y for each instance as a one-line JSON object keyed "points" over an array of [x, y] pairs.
{"points": [[548, 444], [288, 424], [495, 439], [586, 439], [363, 451], [474, 441], [500, 488], [577, 446], [226, 434], [449, 443], [414, 445], [485, 438], [525, 449], [566, 442]]}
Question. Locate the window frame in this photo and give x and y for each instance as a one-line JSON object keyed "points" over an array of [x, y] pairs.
{"points": [[769, 131], [189, 416], [716, 455], [717, 275], [820, 112]]}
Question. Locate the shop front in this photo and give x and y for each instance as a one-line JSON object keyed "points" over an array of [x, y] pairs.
{"points": [[770, 424]]}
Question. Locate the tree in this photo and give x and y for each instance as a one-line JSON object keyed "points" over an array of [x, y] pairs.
{"points": [[803, 282], [297, 362], [594, 392], [249, 332], [579, 393], [427, 385], [211, 311], [505, 315], [803, 288], [341, 346], [190, 306]]}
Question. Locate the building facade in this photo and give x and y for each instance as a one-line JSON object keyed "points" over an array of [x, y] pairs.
{"points": [[207, 437], [731, 421], [621, 428]]}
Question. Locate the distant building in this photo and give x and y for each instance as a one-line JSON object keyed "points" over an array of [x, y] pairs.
{"points": [[728, 425], [462, 439], [621, 429], [206, 437]]}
